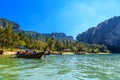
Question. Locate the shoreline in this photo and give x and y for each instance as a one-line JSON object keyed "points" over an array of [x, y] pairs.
{"points": [[14, 52], [98, 53], [9, 53], [68, 53]]}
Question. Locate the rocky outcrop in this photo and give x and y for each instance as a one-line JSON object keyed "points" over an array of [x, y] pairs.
{"points": [[35, 35], [4, 22], [87, 36], [59, 36], [56, 36], [107, 32], [16, 27]]}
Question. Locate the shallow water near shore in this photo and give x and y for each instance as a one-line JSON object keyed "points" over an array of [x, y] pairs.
{"points": [[61, 67]]}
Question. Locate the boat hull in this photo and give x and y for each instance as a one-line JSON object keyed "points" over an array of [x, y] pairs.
{"points": [[33, 55]]}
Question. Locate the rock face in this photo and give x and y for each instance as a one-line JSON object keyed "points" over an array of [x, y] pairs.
{"points": [[5, 22], [59, 36], [35, 35], [107, 32]]}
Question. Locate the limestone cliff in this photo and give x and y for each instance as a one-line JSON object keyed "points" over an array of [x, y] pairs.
{"points": [[107, 32]]}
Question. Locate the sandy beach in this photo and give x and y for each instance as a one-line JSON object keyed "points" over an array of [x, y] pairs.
{"points": [[98, 53], [67, 53], [9, 53]]}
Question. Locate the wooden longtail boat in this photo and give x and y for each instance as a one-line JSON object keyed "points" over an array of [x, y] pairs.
{"points": [[21, 54]]}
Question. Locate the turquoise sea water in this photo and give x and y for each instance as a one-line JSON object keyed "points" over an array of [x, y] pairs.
{"points": [[61, 67]]}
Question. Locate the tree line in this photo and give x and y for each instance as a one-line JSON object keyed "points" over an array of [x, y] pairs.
{"points": [[11, 39]]}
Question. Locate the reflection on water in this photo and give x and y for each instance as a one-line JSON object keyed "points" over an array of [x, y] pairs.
{"points": [[61, 67]]}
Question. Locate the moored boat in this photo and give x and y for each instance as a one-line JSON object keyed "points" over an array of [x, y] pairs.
{"points": [[21, 54]]}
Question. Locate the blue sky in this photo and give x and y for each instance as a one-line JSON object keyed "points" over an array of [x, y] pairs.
{"points": [[68, 16]]}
